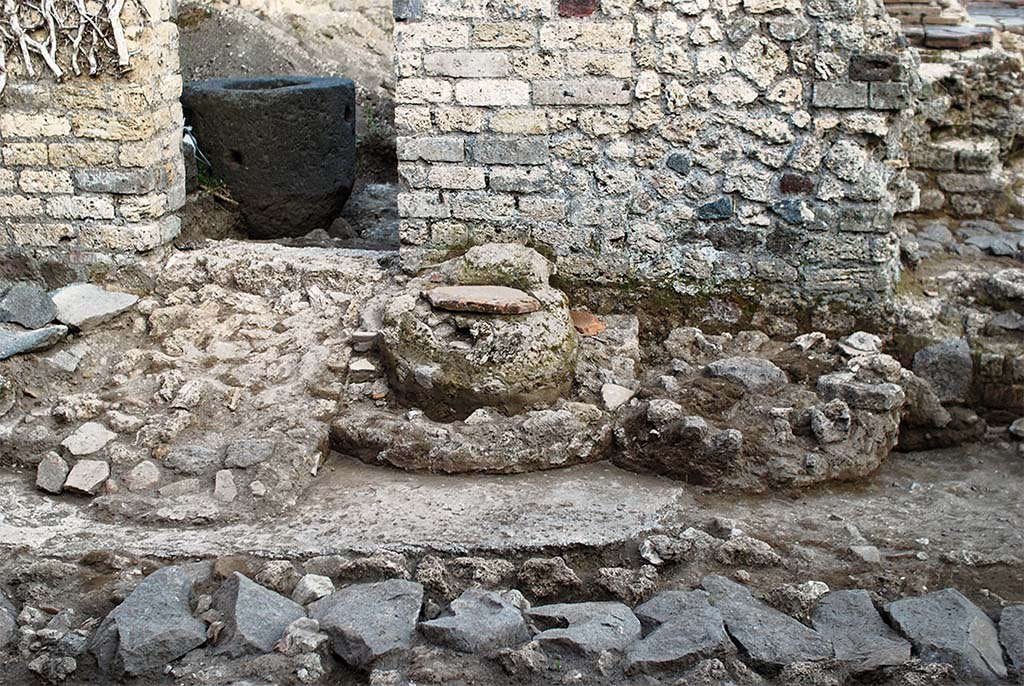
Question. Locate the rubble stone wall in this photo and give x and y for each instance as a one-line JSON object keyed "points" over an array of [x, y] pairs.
{"points": [[94, 164], [694, 145], [967, 141]]}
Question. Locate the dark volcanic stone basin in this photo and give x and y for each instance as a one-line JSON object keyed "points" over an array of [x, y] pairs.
{"points": [[285, 146]]}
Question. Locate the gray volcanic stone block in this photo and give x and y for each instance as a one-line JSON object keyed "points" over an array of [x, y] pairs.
{"points": [[27, 304], [249, 453], [193, 460], [480, 622], [1011, 635], [684, 629], [254, 617], [153, 626], [585, 628], [770, 638], [860, 637], [368, 623], [752, 373], [8, 621], [947, 627], [285, 146], [716, 209], [948, 367]]}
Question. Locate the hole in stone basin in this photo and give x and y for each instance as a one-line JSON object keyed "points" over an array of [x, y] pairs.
{"points": [[236, 157]]}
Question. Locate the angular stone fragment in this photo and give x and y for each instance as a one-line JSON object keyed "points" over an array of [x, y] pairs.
{"points": [[861, 639], [684, 629], [369, 623], [254, 617], [15, 340], [87, 439], [362, 369], [152, 627], [752, 373], [51, 473], [224, 488], [479, 622], [947, 627], [312, 587], [85, 306], [615, 396], [769, 637], [1011, 635], [716, 209], [482, 299], [87, 476], [27, 304], [585, 628]]}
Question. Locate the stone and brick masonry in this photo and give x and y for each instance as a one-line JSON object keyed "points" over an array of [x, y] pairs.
{"points": [[94, 165], [695, 145]]}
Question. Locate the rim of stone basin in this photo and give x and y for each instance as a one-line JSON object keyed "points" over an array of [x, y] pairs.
{"points": [[272, 84]]}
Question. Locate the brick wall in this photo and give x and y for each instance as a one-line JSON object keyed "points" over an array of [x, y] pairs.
{"points": [[94, 164], [694, 145]]}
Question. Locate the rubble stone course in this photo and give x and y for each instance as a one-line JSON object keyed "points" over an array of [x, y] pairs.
{"points": [[680, 145]]}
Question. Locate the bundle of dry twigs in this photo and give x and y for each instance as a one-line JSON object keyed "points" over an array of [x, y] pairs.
{"points": [[65, 36]]}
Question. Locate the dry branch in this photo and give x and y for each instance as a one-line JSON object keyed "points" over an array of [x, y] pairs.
{"points": [[55, 36]]}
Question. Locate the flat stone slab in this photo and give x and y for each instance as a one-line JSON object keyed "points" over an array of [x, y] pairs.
{"points": [[585, 628], [768, 636], [85, 306], [859, 635], [87, 477], [153, 626], [254, 617], [947, 627], [956, 37], [482, 299], [354, 506], [370, 623], [684, 629], [87, 439], [14, 340], [479, 622]]}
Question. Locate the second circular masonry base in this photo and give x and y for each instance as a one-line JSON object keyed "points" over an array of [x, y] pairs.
{"points": [[452, 347]]}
